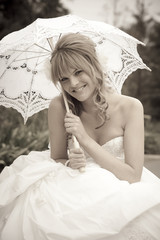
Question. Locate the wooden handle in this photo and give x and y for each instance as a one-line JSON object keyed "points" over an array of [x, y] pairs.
{"points": [[76, 145], [75, 142]]}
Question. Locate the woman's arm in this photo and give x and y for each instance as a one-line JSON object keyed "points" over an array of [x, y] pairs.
{"points": [[58, 136], [57, 132], [133, 144]]}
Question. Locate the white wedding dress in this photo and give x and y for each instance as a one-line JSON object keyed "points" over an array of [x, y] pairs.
{"points": [[44, 200]]}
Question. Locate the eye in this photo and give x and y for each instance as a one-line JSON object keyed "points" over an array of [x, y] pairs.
{"points": [[78, 72], [63, 79]]}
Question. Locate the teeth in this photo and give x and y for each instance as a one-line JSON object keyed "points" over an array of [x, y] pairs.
{"points": [[79, 89]]}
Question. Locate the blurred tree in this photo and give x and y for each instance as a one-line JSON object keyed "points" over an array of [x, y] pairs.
{"points": [[17, 138], [152, 92], [143, 84], [16, 14]]}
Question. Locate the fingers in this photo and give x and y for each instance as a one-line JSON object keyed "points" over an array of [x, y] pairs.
{"points": [[70, 114], [77, 164], [74, 126], [71, 123], [76, 150], [71, 118], [77, 158], [76, 153]]}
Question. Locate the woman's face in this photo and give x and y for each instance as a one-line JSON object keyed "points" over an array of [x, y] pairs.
{"points": [[78, 84]]}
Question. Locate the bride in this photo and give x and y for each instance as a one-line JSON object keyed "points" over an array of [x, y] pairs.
{"points": [[46, 195]]}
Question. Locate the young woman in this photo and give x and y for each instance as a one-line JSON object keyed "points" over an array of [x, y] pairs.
{"points": [[45, 196], [102, 115]]}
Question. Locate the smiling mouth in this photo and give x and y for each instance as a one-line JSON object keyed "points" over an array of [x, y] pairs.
{"points": [[79, 89]]}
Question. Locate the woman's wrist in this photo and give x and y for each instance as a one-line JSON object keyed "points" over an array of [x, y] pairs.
{"points": [[86, 142]]}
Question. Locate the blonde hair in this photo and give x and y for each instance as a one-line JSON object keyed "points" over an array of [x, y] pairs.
{"points": [[77, 51]]}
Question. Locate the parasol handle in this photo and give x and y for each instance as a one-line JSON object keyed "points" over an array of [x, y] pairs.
{"points": [[75, 142], [76, 145]]}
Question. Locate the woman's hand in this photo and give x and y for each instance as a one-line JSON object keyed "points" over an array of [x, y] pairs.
{"points": [[76, 158], [75, 127]]}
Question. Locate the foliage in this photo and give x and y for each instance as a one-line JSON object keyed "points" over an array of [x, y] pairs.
{"points": [[143, 84], [152, 136], [16, 14], [17, 138]]}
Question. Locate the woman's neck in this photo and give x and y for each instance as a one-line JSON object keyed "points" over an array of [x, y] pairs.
{"points": [[89, 106]]}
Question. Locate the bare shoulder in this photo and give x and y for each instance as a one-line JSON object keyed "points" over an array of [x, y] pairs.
{"points": [[130, 108], [56, 112], [130, 103], [57, 105], [126, 108], [125, 103]]}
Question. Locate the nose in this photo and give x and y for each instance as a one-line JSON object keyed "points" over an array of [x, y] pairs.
{"points": [[73, 81]]}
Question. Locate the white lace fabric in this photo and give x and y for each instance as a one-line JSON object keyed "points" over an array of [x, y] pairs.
{"points": [[114, 146], [25, 55], [49, 199]]}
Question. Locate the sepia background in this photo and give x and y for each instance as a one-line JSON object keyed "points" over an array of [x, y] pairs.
{"points": [[139, 18]]}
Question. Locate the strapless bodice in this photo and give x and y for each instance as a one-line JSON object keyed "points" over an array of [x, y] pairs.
{"points": [[114, 146]]}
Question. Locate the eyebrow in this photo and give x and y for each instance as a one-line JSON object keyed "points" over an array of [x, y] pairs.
{"points": [[74, 71], [65, 76]]}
